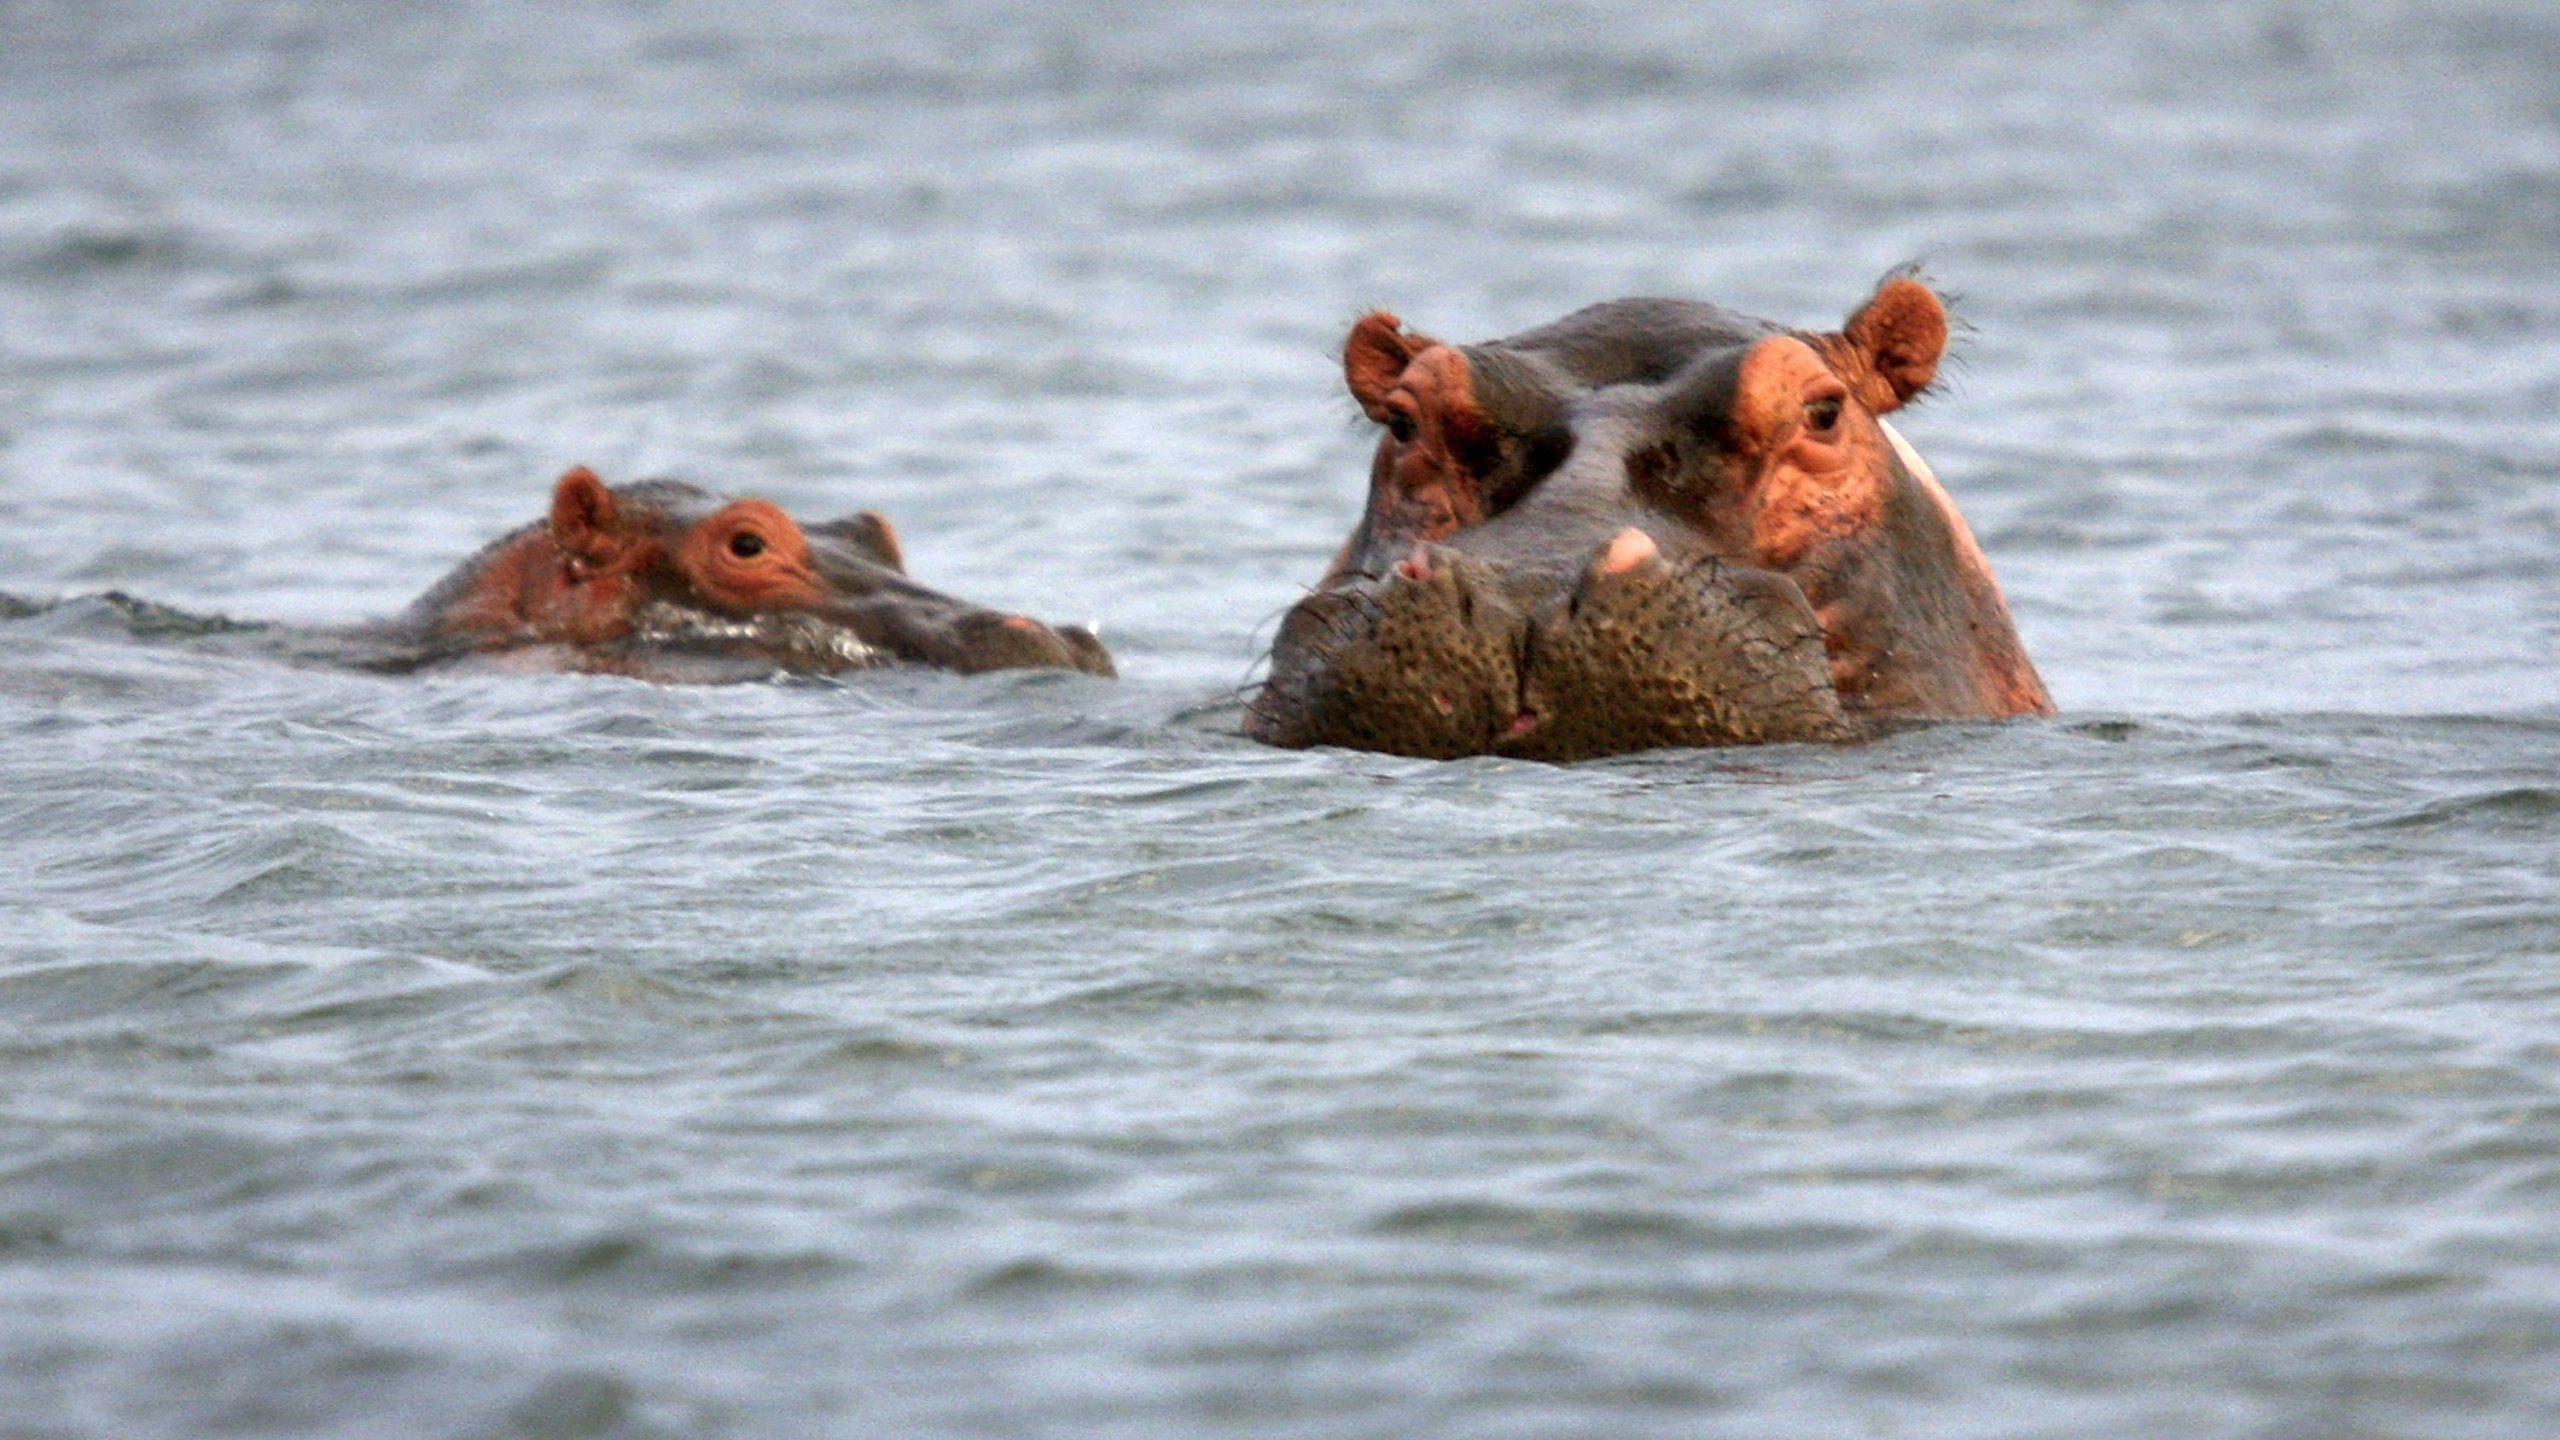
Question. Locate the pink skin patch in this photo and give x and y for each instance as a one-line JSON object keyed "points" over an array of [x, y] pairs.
{"points": [[1416, 566], [1020, 622], [1631, 548]]}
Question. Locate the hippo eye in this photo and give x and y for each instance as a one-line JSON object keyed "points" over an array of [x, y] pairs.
{"points": [[1401, 426], [1822, 414], [746, 544]]}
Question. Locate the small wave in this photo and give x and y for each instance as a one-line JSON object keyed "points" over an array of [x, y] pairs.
{"points": [[655, 1262], [187, 1173], [114, 609], [2528, 809], [1147, 997], [1617, 1227], [103, 248], [1043, 1277]]}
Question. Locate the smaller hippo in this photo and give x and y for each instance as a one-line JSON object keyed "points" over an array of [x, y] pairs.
{"points": [[661, 580], [1654, 522]]}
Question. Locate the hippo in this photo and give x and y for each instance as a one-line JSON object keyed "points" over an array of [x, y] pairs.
{"points": [[1651, 523], [662, 580]]}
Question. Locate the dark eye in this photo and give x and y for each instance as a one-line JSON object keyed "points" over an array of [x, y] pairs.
{"points": [[1822, 414], [746, 544], [1401, 426]]}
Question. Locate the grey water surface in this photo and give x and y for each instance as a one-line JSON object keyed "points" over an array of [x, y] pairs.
{"points": [[484, 1055]]}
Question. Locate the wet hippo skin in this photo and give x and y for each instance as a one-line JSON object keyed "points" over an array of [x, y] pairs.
{"points": [[661, 580], [1654, 522]]}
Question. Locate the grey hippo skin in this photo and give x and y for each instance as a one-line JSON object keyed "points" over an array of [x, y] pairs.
{"points": [[1651, 523]]}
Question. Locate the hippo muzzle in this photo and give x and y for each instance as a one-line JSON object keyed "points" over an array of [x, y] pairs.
{"points": [[902, 620], [1451, 653]]}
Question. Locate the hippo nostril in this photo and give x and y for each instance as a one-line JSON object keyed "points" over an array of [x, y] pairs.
{"points": [[1416, 566]]}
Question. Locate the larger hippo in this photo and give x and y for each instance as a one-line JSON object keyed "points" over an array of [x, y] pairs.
{"points": [[1653, 522], [661, 580]]}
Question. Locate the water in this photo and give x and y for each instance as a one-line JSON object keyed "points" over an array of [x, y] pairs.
{"points": [[507, 1056]]}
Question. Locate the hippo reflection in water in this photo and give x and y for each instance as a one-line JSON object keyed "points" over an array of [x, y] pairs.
{"points": [[663, 581], [1653, 522]]}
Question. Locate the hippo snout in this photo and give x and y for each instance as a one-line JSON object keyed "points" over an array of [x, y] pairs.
{"points": [[1451, 654], [986, 640]]}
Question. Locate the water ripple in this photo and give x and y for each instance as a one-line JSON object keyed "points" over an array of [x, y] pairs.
{"points": [[489, 1053]]}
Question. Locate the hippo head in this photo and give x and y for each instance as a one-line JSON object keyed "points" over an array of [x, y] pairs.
{"points": [[661, 579], [1651, 523]]}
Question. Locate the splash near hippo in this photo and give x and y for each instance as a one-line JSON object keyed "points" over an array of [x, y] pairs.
{"points": [[661, 580], [1651, 523]]}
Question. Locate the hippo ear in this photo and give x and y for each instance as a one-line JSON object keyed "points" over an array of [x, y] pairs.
{"points": [[1888, 352], [1443, 387], [870, 532], [583, 515], [1374, 358]]}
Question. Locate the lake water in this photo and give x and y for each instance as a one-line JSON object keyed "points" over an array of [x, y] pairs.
{"points": [[477, 1056]]}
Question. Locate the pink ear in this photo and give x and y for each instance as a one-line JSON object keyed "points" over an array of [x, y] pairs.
{"points": [[1443, 387], [1889, 350], [1374, 357], [582, 515]]}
